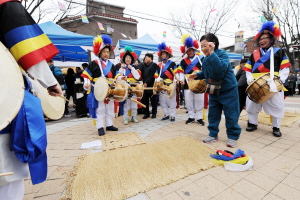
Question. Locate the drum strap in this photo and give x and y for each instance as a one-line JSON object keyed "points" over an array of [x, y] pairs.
{"points": [[271, 82], [100, 66]]}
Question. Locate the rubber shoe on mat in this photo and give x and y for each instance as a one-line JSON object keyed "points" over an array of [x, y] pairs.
{"points": [[231, 143], [210, 139], [172, 119], [190, 120]]}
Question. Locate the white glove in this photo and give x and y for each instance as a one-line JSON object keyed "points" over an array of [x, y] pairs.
{"points": [[249, 77], [158, 79], [249, 80]]}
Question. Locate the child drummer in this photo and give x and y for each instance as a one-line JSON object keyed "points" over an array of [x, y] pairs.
{"points": [[132, 75], [100, 67], [166, 75]]}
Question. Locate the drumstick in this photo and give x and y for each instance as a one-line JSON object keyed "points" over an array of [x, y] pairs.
{"points": [[174, 75], [66, 100], [138, 102], [7, 174], [148, 88], [117, 115]]}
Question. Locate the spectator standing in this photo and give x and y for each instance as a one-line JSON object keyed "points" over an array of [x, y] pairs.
{"points": [[242, 84], [70, 81], [291, 80], [78, 74], [149, 71], [57, 73], [298, 81]]}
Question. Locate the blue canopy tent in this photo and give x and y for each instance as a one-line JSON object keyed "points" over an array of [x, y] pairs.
{"points": [[147, 43], [72, 46]]}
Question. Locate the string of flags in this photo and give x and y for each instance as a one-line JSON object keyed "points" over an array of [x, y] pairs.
{"points": [[100, 26], [193, 23], [85, 19], [61, 6]]}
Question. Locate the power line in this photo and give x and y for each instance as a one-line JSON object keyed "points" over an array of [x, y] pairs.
{"points": [[145, 18]]}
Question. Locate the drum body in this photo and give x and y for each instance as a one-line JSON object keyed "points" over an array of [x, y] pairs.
{"points": [[259, 90], [11, 87], [197, 86], [138, 89], [119, 91]]}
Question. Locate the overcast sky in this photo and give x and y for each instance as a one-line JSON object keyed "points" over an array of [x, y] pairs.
{"points": [[162, 8]]}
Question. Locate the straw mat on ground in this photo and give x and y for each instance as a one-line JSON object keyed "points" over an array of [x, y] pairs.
{"points": [[125, 172], [264, 118], [120, 140]]}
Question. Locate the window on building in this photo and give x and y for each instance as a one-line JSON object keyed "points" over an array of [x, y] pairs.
{"points": [[108, 28], [102, 9]]}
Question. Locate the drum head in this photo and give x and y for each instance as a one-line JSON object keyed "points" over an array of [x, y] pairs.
{"points": [[173, 90], [11, 87], [101, 89], [53, 107]]}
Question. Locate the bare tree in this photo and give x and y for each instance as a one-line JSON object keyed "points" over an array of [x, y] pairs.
{"points": [[40, 9], [287, 15], [210, 17]]}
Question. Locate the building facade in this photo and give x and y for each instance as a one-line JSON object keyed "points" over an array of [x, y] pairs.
{"points": [[109, 15]]}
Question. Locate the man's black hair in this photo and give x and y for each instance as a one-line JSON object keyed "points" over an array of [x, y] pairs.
{"points": [[244, 61]]}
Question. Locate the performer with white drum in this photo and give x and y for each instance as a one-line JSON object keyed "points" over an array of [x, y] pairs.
{"points": [[268, 59], [166, 75], [23, 137], [132, 75], [101, 67], [190, 64]]}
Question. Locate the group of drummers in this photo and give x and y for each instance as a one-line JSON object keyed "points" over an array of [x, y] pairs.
{"points": [[266, 69], [129, 82]]}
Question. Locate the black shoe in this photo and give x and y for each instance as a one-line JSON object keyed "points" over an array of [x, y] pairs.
{"points": [[201, 122], [172, 119], [153, 116], [165, 117], [276, 132], [101, 131], [146, 116], [112, 128], [190, 120], [251, 127]]}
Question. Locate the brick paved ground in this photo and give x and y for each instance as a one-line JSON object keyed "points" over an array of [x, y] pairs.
{"points": [[276, 173]]}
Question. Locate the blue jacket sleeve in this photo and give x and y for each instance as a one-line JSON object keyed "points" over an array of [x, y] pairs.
{"points": [[216, 64], [200, 75]]}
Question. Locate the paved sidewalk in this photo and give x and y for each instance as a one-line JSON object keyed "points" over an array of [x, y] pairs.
{"points": [[276, 173]]}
